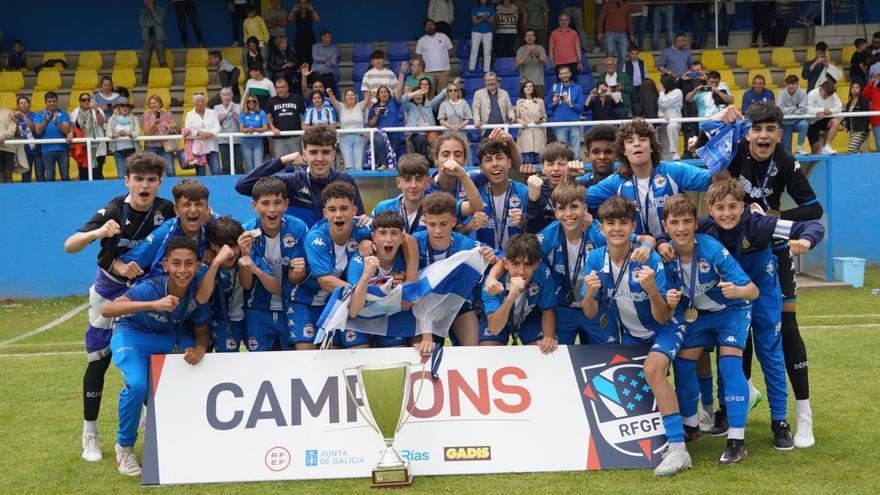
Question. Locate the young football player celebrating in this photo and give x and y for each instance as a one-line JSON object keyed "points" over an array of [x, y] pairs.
{"points": [[629, 297], [156, 316], [120, 225], [554, 166], [221, 288], [710, 293]]}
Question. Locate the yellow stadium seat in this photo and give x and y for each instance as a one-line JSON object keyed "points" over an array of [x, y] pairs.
{"points": [[655, 76], [242, 76], [196, 57], [796, 71], [196, 77], [90, 60], [8, 101], [234, 55], [843, 93], [846, 54], [11, 81], [188, 93], [783, 57], [160, 77], [124, 77], [126, 59], [748, 58], [54, 56], [161, 93], [713, 60], [169, 58], [768, 77], [727, 77], [85, 80], [38, 101], [737, 95], [48, 80]]}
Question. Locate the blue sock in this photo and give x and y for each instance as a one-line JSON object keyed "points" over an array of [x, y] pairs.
{"points": [[719, 380], [706, 390], [736, 395], [686, 386], [674, 428]]}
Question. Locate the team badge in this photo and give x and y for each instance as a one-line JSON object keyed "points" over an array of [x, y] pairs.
{"points": [[289, 241], [253, 344], [352, 245], [514, 201], [230, 344], [192, 306], [309, 330], [704, 266], [350, 335], [659, 181], [533, 289], [158, 218]]}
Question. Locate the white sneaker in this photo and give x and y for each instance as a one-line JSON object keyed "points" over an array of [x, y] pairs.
{"points": [[675, 460], [755, 398], [803, 150], [828, 150], [91, 446], [804, 437], [707, 419], [126, 462]]}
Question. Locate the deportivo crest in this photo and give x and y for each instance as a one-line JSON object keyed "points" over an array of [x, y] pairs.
{"points": [[289, 241], [704, 266], [659, 181], [253, 344], [231, 344], [309, 330], [515, 201], [192, 306], [534, 289], [350, 335], [158, 218], [352, 245]]}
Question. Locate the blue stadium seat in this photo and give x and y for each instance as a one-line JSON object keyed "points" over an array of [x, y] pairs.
{"points": [[586, 82], [398, 51], [471, 85], [361, 52], [359, 69], [511, 85], [505, 66], [463, 49]]}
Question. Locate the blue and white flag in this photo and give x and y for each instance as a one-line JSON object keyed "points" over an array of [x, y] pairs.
{"points": [[722, 146], [437, 296]]}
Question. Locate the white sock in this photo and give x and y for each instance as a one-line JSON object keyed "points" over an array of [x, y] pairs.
{"points": [[803, 408], [677, 446], [736, 433], [691, 420], [90, 427], [752, 389]]}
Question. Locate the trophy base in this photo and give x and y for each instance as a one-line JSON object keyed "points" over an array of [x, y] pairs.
{"points": [[391, 478]]}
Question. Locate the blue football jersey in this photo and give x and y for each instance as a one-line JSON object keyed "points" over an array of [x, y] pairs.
{"points": [[150, 252], [499, 228], [273, 256], [324, 257], [540, 293], [409, 217], [187, 313], [556, 254], [429, 255]]}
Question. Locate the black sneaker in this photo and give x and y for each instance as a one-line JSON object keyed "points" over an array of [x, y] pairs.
{"points": [[734, 452], [692, 433], [720, 426], [782, 435]]}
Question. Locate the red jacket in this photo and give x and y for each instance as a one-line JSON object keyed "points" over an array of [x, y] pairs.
{"points": [[872, 94]]}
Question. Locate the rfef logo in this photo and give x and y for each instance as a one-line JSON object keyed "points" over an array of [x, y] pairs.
{"points": [[277, 459], [467, 453]]}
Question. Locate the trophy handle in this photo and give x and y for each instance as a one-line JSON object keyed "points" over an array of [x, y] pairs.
{"points": [[408, 390], [346, 372]]}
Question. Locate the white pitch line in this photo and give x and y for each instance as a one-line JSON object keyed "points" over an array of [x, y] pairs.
{"points": [[841, 326], [48, 326], [41, 354], [825, 317]]}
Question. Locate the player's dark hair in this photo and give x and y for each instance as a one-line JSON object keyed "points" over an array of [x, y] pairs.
{"points": [[388, 220], [181, 242], [567, 193], [447, 136], [377, 54], [557, 150], [718, 190], [50, 95], [215, 54], [223, 231], [764, 112], [759, 76], [439, 203], [412, 165], [269, 186], [191, 189], [144, 163], [600, 132], [617, 208], [319, 135], [637, 127], [680, 205], [338, 190], [523, 247], [791, 79], [821, 46], [492, 147]]}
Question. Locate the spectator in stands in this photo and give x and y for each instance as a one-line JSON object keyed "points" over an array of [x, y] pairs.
{"points": [[615, 27], [284, 111], [417, 73], [762, 18], [604, 103], [237, 15], [530, 60], [483, 20], [645, 102], [793, 101], [276, 20], [25, 120], [820, 69], [635, 69], [227, 112], [325, 60], [87, 120], [53, 123], [808, 13], [663, 14], [203, 124], [184, 9], [455, 114], [351, 114], [565, 47], [253, 55], [418, 111], [875, 43], [227, 73], [506, 22], [872, 94], [152, 18], [304, 16], [492, 104], [124, 127], [106, 97], [575, 11], [259, 86], [8, 130], [858, 67], [873, 65], [620, 84], [17, 58], [669, 104], [822, 102], [252, 120], [639, 14], [442, 12], [712, 96], [386, 113], [378, 75], [565, 102], [318, 113], [535, 17], [530, 111], [282, 62], [698, 12], [726, 13], [255, 27], [676, 59], [756, 93], [435, 49], [856, 126], [157, 121], [693, 77]]}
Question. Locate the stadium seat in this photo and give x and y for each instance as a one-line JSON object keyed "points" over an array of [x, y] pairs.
{"points": [[511, 85], [161, 93], [797, 72], [462, 49], [8, 100], [842, 91], [48, 80], [38, 101], [233, 54], [160, 77], [727, 77], [749, 58], [471, 85], [505, 66], [196, 77], [398, 51], [169, 58], [737, 95], [768, 77], [713, 60], [783, 57], [846, 54], [85, 80], [242, 78], [11, 81], [90, 60], [123, 77], [125, 59], [655, 76], [359, 69], [586, 82], [54, 56], [188, 93], [361, 52], [648, 58], [196, 57]]}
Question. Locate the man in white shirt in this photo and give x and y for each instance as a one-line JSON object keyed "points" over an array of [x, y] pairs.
{"points": [[435, 49]]}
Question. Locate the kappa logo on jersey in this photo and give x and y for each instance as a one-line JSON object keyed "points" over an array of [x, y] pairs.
{"points": [[659, 181], [704, 266], [305, 190], [289, 241], [318, 242]]}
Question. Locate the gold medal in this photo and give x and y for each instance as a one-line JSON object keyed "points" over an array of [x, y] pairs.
{"points": [[691, 314], [603, 321], [774, 213]]}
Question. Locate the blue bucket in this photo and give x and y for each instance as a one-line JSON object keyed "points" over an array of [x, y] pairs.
{"points": [[850, 269]]}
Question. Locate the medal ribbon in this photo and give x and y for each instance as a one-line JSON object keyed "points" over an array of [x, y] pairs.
{"points": [[572, 278], [498, 233], [620, 275], [690, 290]]}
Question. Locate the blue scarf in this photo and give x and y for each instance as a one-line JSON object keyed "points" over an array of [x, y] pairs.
{"points": [[390, 155], [722, 146]]}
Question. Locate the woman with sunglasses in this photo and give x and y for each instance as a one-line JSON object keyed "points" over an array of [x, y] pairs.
{"points": [[160, 122], [88, 118], [202, 122], [123, 126], [455, 114], [252, 120]]}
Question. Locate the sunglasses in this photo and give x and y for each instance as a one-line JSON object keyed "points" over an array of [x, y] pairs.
{"points": [[252, 101], [85, 99], [453, 90]]}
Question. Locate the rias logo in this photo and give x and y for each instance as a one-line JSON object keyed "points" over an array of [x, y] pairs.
{"points": [[483, 453]]}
